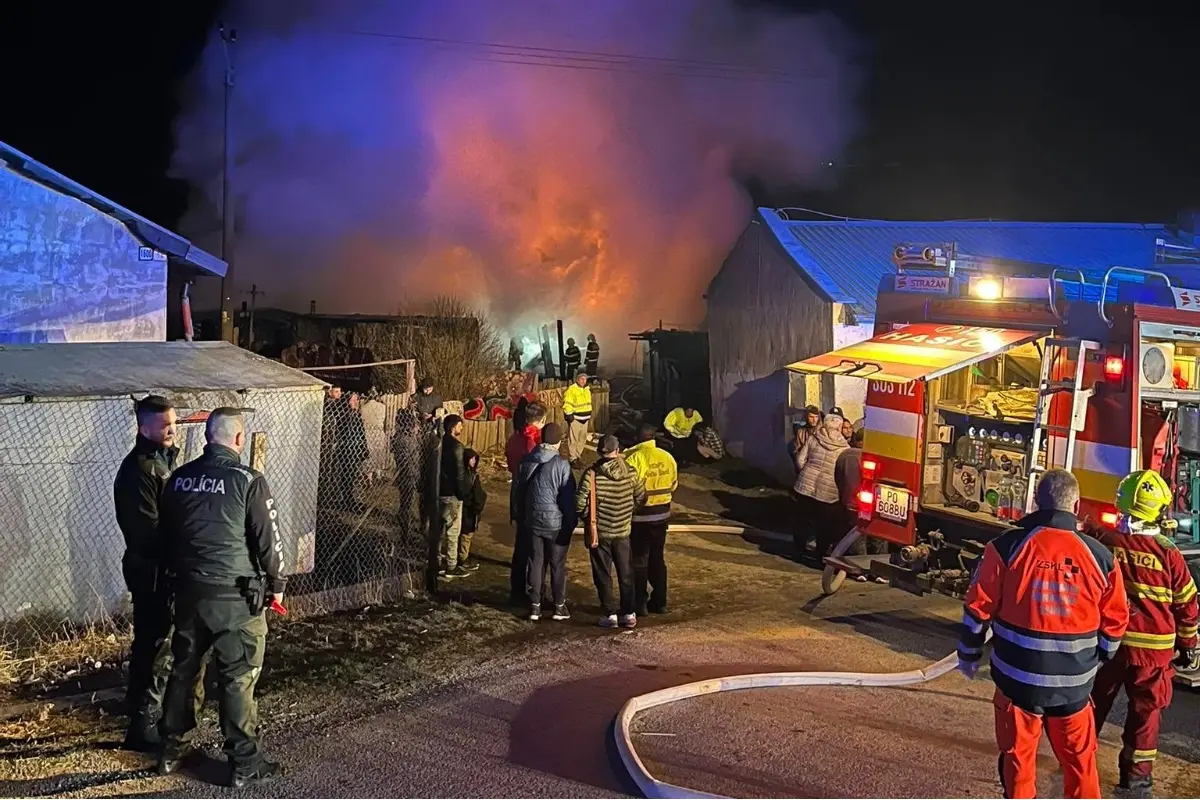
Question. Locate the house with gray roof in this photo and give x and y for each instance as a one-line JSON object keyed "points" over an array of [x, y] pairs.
{"points": [[791, 289]]}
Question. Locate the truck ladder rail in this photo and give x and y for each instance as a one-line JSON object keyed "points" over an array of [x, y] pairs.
{"points": [[1047, 389]]}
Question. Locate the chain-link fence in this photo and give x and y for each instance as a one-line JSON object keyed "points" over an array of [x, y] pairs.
{"points": [[373, 503], [351, 475]]}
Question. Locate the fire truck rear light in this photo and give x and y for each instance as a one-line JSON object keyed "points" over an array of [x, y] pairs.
{"points": [[1109, 518], [865, 498], [1114, 368], [869, 466]]}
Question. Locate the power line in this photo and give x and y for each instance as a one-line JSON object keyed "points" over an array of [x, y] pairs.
{"points": [[592, 61]]}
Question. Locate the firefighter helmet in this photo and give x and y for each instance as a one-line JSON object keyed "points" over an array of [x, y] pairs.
{"points": [[1143, 495]]}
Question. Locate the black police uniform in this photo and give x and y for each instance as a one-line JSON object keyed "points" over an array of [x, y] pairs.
{"points": [[226, 554], [137, 491]]}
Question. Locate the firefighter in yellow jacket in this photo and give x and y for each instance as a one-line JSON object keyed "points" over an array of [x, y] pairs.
{"points": [[656, 468], [577, 409]]}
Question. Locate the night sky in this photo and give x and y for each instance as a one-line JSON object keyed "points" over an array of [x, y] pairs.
{"points": [[969, 110]]}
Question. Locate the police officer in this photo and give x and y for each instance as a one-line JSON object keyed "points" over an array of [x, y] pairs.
{"points": [[224, 548], [136, 493]]}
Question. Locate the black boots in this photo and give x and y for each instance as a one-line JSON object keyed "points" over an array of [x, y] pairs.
{"points": [[259, 772]]}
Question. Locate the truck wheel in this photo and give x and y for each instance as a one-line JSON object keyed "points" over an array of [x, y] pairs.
{"points": [[832, 579]]}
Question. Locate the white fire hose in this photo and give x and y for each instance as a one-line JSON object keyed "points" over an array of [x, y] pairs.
{"points": [[652, 787]]}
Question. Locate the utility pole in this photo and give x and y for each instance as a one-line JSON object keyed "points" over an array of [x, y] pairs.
{"points": [[254, 293], [228, 38]]}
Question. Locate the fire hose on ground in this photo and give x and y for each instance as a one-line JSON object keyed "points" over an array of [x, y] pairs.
{"points": [[652, 787]]}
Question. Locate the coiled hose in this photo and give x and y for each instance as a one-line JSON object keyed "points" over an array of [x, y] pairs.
{"points": [[652, 787]]}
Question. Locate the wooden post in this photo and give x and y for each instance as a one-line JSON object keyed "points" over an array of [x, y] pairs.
{"points": [[258, 450]]}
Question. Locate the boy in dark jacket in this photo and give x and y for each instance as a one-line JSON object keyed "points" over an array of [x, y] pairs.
{"points": [[546, 492], [472, 510], [608, 494]]}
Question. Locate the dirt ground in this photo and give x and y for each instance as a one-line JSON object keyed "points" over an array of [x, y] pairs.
{"points": [[351, 674], [353, 664]]}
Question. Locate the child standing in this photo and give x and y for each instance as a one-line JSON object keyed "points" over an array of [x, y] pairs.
{"points": [[472, 510]]}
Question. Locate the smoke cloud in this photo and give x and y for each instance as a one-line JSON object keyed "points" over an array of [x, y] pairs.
{"points": [[539, 158]]}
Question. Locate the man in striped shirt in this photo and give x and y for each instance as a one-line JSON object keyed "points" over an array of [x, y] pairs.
{"points": [[1055, 602], [1162, 622]]}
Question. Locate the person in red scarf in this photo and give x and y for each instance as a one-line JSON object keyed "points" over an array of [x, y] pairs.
{"points": [[520, 444]]}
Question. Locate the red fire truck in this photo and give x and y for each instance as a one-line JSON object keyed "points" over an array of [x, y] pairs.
{"points": [[983, 373]]}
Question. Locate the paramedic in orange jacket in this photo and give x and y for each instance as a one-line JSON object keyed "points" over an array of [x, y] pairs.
{"points": [[1162, 622], [1054, 601]]}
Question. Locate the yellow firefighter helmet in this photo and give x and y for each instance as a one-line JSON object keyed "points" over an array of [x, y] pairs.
{"points": [[1143, 495]]}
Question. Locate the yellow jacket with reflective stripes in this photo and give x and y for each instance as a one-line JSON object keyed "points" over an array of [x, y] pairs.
{"points": [[657, 470], [577, 402], [680, 425]]}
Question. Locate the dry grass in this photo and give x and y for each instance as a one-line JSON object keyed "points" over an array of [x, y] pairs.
{"points": [[66, 654], [455, 346]]}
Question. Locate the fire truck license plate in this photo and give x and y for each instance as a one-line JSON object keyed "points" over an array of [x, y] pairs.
{"points": [[892, 503]]}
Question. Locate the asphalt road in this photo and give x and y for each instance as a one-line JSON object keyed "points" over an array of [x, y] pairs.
{"points": [[541, 726]]}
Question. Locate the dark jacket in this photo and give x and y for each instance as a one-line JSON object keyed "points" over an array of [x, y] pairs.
{"points": [[1055, 602], [618, 493], [546, 491], [453, 480], [847, 474], [572, 358], [221, 523], [476, 496], [428, 403], [137, 492], [593, 353]]}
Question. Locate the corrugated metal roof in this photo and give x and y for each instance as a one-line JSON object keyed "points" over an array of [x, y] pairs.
{"points": [[846, 259], [121, 368], [153, 235]]}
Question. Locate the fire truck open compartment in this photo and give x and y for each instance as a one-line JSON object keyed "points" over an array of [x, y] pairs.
{"points": [[979, 426]]}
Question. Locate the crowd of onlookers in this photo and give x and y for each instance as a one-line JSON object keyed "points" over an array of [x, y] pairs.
{"points": [[622, 501]]}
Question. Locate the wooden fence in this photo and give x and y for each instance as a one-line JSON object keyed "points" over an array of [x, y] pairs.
{"points": [[487, 436]]}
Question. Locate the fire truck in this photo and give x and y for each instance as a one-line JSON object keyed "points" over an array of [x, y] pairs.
{"points": [[983, 373]]}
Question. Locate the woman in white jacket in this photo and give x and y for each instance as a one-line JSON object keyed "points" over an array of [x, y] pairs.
{"points": [[816, 488]]}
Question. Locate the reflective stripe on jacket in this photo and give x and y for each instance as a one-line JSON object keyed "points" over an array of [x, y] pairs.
{"points": [[1161, 592], [1055, 601], [577, 402], [656, 468]]}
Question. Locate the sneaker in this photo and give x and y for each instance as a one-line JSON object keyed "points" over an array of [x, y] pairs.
{"points": [[260, 772], [458, 572], [629, 620], [608, 622], [170, 758], [561, 613], [469, 566], [535, 613]]}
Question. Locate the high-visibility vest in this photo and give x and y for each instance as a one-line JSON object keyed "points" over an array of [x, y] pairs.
{"points": [[658, 472], [680, 425], [577, 401]]}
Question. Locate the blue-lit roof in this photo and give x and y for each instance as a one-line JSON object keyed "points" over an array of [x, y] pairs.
{"points": [[155, 236], [845, 259]]}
